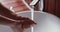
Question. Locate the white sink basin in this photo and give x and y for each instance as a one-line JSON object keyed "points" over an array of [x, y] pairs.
{"points": [[45, 22], [4, 28]]}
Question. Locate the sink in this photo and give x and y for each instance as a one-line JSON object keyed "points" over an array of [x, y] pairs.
{"points": [[4, 28], [46, 22]]}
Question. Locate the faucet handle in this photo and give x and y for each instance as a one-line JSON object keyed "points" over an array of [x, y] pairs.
{"points": [[34, 2]]}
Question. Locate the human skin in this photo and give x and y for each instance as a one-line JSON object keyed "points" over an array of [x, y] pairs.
{"points": [[17, 5], [20, 22]]}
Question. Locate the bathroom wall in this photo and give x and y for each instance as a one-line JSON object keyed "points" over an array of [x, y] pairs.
{"points": [[52, 6]]}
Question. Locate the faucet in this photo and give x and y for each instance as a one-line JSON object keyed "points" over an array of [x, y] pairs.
{"points": [[35, 2]]}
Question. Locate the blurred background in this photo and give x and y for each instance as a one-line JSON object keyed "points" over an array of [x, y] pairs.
{"points": [[50, 6]]}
